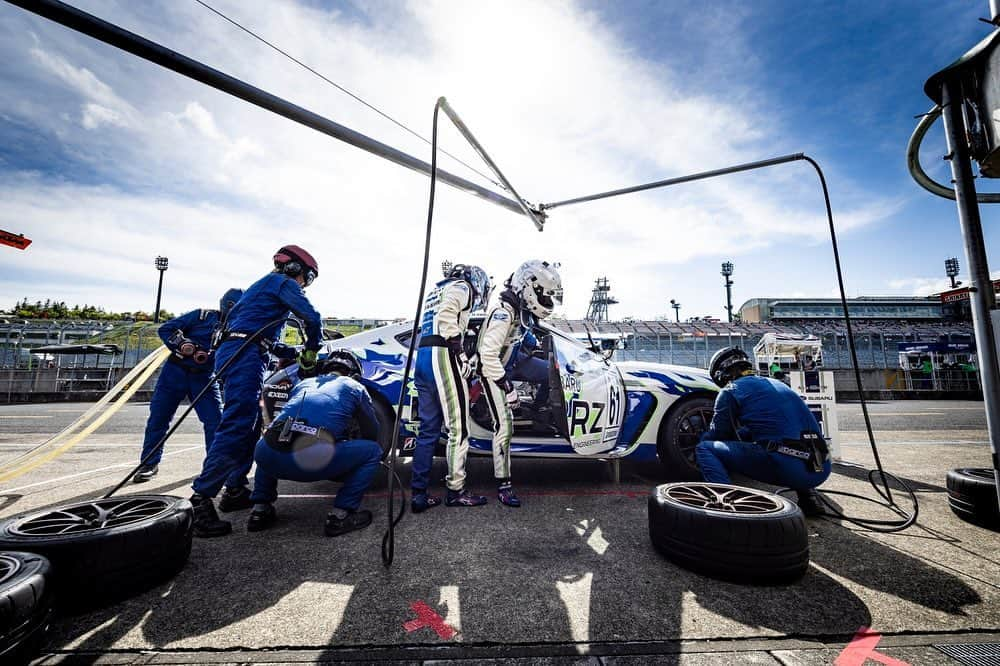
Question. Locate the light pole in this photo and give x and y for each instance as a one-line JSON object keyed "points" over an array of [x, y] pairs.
{"points": [[677, 309], [161, 265], [727, 271], [951, 270]]}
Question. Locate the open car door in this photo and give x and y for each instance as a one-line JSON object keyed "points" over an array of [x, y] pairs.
{"points": [[592, 396]]}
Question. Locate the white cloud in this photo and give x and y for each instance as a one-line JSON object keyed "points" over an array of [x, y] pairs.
{"points": [[563, 105]]}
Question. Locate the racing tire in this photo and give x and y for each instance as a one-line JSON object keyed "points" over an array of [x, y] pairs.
{"points": [[386, 417], [25, 605], [679, 435], [729, 532], [105, 549], [972, 496]]}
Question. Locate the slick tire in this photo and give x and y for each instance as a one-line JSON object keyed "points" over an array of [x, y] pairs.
{"points": [[972, 495], [386, 419], [679, 435], [106, 549], [729, 532], [26, 595]]}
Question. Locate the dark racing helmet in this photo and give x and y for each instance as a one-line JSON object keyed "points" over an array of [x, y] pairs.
{"points": [[728, 364], [477, 279], [293, 261], [341, 360], [228, 300]]}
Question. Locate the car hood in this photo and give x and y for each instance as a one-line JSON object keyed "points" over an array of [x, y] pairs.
{"points": [[675, 379]]}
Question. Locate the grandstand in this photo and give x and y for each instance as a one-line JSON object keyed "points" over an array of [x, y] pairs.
{"points": [[694, 342]]}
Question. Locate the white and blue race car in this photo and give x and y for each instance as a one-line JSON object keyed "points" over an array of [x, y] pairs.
{"points": [[597, 408]]}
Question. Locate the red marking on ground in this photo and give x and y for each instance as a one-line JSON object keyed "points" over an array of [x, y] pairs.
{"points": [[426, 617], [862, 648]]}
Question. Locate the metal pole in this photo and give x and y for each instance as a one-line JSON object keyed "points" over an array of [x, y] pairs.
{"points": [[159, 291], [538, 219], [981, 295], [729, 299], [672, 181], [109, 33]]}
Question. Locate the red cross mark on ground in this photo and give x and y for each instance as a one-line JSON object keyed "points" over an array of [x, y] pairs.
{"points": [[862, 648], [426, 617]]}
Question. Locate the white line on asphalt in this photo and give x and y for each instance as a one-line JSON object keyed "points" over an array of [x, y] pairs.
{"points": [[905, 413], [93, 471], [26, 416]]}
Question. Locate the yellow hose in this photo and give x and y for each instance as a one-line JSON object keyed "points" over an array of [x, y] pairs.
{"points": [[48, 450]]}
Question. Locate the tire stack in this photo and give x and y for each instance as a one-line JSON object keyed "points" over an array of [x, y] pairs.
{"points": [[972, 496], [81, 555], [729, 532]]}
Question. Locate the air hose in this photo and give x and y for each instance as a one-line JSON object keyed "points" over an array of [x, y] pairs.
{"points": [[389, 539], [216, 376]]}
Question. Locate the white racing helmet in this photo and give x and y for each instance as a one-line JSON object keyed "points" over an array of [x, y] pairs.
{"points": [[538, 285]]}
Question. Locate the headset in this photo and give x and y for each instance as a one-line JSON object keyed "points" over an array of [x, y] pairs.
{"points": [[289, 264]]}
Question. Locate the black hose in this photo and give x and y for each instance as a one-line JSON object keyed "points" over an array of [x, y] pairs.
{"points": [[389, 539], [216, 376], [906, 518]]}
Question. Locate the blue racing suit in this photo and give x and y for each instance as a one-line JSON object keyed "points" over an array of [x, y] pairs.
{"points": [[755, 419], [181, 377], [263, 308], [322, 411], [442, 392]]}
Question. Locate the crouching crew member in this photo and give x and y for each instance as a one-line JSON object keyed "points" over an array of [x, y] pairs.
{"points": [[530, 294], [261, 313], [441, 379], [762, 429], [313, 439], [186, 373]]}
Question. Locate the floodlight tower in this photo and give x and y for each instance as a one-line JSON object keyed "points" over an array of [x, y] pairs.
{"points": [[600, 299], [951, 270], [727, 272], [161, 265], [677, 309]]}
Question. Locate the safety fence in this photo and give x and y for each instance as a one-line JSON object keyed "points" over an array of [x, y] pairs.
{"points": [[23, 374]]}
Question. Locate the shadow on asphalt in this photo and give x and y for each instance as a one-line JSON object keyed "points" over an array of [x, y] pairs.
{"points": [[574, 565]]}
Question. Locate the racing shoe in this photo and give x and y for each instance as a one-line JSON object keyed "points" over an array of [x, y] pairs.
{"points": [[464, 498], [507, 496], [421, 501], [354, 520], [810, 502], [145, 473], [206, 520], [235, 499], [262, 517]]}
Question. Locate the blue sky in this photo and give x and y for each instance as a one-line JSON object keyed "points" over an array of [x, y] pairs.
{"points": [[107, 161]]}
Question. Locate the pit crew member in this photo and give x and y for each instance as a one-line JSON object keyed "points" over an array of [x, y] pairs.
{"points": [[186, 373], [762, 429], [441, 379], [312, 439], [530, 294], [259, 315]]}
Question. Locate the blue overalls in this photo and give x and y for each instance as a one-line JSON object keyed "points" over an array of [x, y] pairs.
{"points": [[182, 378], [766, 412], [330, 402], [264, 306]]}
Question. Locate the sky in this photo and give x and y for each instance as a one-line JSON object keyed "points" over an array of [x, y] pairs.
{"points": [[108, 161]]}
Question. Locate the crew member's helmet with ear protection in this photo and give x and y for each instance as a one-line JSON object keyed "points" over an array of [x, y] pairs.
{"points": [[478, 279], [538, 285], [727, 364], [228, 300], [341, 360], [293, 261]]}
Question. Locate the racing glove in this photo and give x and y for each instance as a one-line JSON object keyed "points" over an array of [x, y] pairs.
{"points": [[509, 393], [307, 363], [467, 367]]}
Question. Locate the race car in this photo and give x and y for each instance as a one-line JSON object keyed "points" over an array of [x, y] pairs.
{"points": [[596, 408]]}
